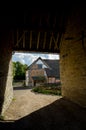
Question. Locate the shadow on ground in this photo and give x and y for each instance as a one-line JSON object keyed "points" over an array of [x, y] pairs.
{"points": [[22, 87], [60, 115]]}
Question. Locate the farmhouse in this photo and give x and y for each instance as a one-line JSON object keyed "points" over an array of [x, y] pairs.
{"points": [[43, 71]]}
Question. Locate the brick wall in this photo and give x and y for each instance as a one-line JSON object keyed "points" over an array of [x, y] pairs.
{"points": [[34, 71]]}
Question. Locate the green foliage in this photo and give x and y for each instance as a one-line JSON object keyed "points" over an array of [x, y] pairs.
{"points": [[47, 90], [13, 99], [19, 71], [1, 117]]}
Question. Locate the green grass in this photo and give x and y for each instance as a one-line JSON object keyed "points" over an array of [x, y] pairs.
{"points": [[1, 117], [47, 90], [13, 99]]}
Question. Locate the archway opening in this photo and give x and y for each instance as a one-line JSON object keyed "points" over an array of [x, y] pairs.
{"points": [[26, 100]]}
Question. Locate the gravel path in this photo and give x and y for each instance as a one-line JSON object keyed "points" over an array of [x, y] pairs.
{"points": [[26, 102], [30, 111]]}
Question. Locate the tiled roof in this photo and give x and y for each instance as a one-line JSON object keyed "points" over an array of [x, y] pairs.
{"points": [[53, 71]]}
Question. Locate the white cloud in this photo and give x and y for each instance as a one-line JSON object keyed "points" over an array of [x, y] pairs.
{"points": [[52, 56], [28, 58]]}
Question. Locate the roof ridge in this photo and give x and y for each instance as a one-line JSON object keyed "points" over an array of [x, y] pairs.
{"points": [[50, 59]]}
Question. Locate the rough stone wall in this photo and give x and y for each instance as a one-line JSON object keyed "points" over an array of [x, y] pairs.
{"points": [[8, 95], [73, 58], [36, 72], [6, 90]]}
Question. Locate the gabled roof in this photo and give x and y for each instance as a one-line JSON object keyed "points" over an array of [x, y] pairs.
{"points": [[36, 61], [52, 69]]}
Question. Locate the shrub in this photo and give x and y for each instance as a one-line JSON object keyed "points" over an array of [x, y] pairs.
{"points": [[47, 90]]}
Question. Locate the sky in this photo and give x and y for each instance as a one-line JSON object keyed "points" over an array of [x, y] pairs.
{"points": [[28, 58]]}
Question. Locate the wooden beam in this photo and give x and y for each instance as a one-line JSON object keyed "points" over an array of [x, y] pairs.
{"points": [[19, 39], [45, 34], [55, 41], [50, 42], [38, 40], [24, 39], [30, 39]]}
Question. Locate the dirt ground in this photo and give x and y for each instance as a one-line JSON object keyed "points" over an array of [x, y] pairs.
{"points": [[30, 111], [25, 102]]}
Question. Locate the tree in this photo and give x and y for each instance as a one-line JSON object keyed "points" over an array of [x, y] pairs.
{"points": [[19, 71]]}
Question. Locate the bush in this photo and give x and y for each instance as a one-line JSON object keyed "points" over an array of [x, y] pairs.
{"points": [[47, 90], [1, 117]]}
